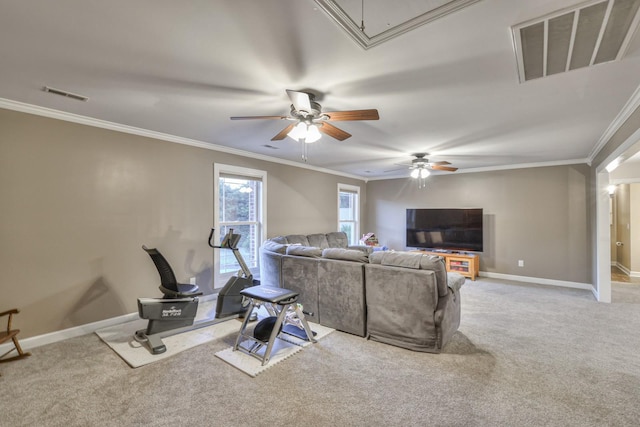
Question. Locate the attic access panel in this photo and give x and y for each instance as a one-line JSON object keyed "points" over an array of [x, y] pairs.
{"points": [[384, 19], [587, 34]]}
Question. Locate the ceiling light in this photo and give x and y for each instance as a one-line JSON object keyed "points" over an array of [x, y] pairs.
{"points": [[415, 173], [424, 173], [305, 132], [313, 134], [299, 131]]}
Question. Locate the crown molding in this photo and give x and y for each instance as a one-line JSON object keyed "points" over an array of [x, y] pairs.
{"points": [[89, 121], [497, 168], [632, 104], [528, 165]]}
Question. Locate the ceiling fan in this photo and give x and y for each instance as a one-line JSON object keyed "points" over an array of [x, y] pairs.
{"points": [[308, 120], [421, 163], [420, 168]]}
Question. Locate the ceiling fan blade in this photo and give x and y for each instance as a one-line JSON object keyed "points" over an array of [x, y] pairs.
{"points": [[353, 115], [333, 132], [444, 162], [300, 100], [443, 168], [283, 133], [258, 117]]}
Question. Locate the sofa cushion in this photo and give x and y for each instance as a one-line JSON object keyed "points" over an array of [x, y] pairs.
{"points": [[376, 257], [299, 239], [363, 248], [402, 259], [272, 246], [308, 251], [345, 254], [337, 239], [318, 240]]}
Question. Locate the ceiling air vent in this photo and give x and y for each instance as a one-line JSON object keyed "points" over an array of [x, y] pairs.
{"points": [[590, 33], [65, 94]]}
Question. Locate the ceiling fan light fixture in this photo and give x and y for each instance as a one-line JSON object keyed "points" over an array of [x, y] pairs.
{"points": [[299, 131], [304, 132], [313, 134], [424, 173], [415, 173]]}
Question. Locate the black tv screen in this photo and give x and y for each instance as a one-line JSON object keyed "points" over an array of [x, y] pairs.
{"points": [[445, 229]]}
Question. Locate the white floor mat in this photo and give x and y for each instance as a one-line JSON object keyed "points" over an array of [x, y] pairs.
{"points": [[281, 350], [120, 337]]}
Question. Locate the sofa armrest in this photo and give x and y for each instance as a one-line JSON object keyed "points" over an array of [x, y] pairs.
{"points": [[455, 281], [447, 317]]}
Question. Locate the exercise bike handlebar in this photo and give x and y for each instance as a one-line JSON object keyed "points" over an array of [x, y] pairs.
{"points": [[230, 241]]}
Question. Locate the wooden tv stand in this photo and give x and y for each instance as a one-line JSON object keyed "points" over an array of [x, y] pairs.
{"points": [[466, 264]]}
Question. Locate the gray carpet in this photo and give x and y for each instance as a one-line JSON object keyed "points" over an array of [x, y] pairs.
{"points": [[525, 355]]}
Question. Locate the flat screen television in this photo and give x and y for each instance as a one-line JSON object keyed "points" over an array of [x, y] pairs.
{"points": [[445, 229]]}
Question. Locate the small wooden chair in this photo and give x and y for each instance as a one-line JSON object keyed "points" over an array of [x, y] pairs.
{"points": [[10, 334]]}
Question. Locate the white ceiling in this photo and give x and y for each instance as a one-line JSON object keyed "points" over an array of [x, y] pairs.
{"points": [[449, 88]]}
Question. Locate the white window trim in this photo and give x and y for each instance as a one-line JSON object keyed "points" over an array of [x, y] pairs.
{"points": [[353, 189], [221, 169]]}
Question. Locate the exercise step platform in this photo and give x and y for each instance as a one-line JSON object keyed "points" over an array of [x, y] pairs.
{"points": [[282, 305]]}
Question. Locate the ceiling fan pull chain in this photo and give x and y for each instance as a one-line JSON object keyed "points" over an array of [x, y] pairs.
{"points": [[362, 15]]}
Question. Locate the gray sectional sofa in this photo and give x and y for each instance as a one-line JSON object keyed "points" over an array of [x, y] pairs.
{"points": [[400, 298]]}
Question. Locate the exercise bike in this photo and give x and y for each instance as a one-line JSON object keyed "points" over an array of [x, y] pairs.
{"points": [[175, 312]]}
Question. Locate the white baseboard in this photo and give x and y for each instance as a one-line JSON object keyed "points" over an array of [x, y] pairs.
{"points": [[625, 270], [538, 280], [76, 331]]}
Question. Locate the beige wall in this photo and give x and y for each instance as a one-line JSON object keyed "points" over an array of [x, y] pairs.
{"points": [[78, 202], [539, 215]]}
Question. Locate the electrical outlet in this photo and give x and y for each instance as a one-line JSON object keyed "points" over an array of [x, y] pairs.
{"points": [[520, 263]]}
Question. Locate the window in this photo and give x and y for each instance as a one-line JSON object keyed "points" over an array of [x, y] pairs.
{"points": [[349, 211], [239, 203]]}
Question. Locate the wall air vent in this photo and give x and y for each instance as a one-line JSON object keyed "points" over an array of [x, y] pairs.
{"points": [[588, 34], [65, 94]]}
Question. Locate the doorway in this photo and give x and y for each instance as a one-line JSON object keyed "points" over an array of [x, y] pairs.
{"points": [[607, 172], [625, 226]]}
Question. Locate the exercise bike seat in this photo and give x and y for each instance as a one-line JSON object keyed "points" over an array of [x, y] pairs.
{"points": [[169, 285]]}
